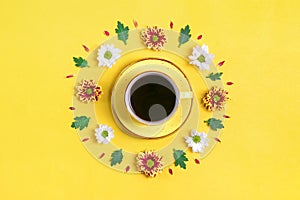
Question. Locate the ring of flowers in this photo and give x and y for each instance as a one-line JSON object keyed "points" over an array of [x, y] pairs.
{"points": [[95, 73]]}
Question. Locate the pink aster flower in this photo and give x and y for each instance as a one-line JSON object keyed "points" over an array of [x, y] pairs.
{"points": [[215, 99], [154, 38], [149, 163], [88, 91]]}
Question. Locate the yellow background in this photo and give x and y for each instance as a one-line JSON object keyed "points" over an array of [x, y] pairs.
{"points": [[41, 157]]}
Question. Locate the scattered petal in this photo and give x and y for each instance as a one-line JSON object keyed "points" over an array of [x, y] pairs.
{"points": [[199, 37], [70, 76], [102, 155], [127, 168], [221, 63], [171, 25], [85, 139], [229, 83], [217, 139], [226, 116], [86, 48], [197, 161], [170, 171], [71, 108], [106, 33], [135, 23]]}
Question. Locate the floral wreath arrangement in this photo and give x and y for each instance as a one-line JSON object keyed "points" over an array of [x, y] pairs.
{"points": [[99, 138]]}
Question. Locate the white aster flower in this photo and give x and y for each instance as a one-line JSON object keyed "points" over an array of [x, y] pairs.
{"points": [[104, 134], [201, 57], [107, 55], [198, 141]]}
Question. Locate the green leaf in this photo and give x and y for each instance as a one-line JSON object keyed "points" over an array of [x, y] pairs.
{"points": [[214, 77], [184, 35], [116, 157], [80, 62], [80, 122], [214, 124], [180, 158], [122, 32]]}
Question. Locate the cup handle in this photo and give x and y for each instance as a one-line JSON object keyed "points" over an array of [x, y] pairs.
{"points": [[186, 95]]}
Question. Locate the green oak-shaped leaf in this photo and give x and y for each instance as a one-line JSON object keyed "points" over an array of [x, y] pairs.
{"points": [[80, 122], [214, 124], [184, 35], [80, 62], [122, 32], [214, 77], [180, 158], [116, 157]]}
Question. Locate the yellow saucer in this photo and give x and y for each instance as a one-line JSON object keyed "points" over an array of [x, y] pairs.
{"points": [[121, 114]]}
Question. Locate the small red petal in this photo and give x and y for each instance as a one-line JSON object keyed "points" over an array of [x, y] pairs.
{"points": [[135, 23], [197, 161], [229, 83], [71, 108], [226, 116], [106, 33], [70, 76], [170, 171], [102, 155], [85, 139], [85, 48], [199, 37], [127, 168], [221, 63], [217, 139], [171, 25]]}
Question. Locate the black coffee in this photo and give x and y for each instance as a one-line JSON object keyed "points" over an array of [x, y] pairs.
{"points": [[153, 98]]}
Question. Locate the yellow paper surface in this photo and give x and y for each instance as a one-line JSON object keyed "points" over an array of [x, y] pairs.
{"points": [[41, 157]]}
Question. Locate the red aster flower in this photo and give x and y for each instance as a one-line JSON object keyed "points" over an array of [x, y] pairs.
{"points": [[149, 163], [88, 91], [154, 38], [215, 99]]}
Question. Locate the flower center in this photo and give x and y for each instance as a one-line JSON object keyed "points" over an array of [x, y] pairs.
{"points": [[216, 98], [108, 55], [154, 38], [89, 91], [104, 134], [150, 163], [201, 58], [196, 139]]}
